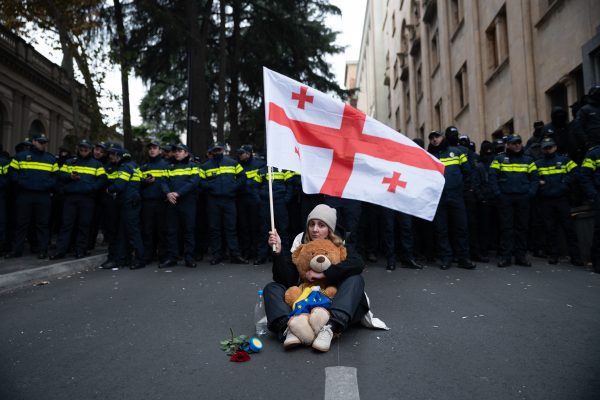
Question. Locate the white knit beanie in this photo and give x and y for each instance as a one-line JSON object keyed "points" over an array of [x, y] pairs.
{"points": [[325, 214]]}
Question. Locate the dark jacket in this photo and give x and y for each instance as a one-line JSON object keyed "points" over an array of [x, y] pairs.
{"points": [[92, 176], [590, 172], [222, 177], [34, 170], [254, 179], [481, 175], [126, 184], [588, 121], [457, 170], [184, 179], [4, 179], [557, 172], [513, 173], [157, 168]]}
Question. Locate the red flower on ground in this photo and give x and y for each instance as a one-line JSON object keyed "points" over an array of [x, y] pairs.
{"points": [[240, 356]]}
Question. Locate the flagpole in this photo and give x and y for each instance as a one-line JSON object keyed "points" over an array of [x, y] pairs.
{"points": [[270, 171]]}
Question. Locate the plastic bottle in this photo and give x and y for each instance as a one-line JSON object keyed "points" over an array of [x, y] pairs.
{"points": [[260, 318]]}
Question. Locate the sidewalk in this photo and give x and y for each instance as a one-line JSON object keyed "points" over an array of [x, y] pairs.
{"points": [[29, 270]]}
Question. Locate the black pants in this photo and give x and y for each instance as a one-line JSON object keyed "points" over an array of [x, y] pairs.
{"points": [[32, 206], [3, 236], [129, 235], [451, 220], [154, 228], [471, 206], [182, 218], [404, 221], [77, 208], [348, 306], [595, 251], [249, 228], [222, 214], [513, 212], [557, 215]]}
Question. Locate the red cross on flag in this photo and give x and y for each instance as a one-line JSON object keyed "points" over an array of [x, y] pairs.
{"points": [[342, 152]]}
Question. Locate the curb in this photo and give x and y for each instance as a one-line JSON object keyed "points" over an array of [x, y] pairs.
{"points": [[18, 279]]}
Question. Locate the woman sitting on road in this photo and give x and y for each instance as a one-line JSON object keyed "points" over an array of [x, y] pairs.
{"points": [[350, 303]]}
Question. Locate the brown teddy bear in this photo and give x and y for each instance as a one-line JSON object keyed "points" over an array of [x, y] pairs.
{"points": [[317, 255]]}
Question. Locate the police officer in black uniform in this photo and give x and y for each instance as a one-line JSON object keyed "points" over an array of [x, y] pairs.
{"points": [[153, 191], [514, 181], [125, 188], [182, 197], [82, 177], [590, 179], [451, 216], [248, 203], [557, 173], [34, 172], [221, 178]]}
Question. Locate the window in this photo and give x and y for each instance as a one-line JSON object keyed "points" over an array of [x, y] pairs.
{"points": [[419, 78], [435, 51], [461, 89], [406, 101], [438, 116], [396, 72], [456, 14], [497, 41], [393, 24], [398, 121]]}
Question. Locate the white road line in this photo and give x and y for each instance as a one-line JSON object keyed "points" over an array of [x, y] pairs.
{"points": [[341, 383]]}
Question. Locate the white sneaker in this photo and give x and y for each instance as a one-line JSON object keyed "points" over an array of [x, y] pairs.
{"points": [[323, 340], [291, 340]]}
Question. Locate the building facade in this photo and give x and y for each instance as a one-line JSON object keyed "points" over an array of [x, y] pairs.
{"points": [[35, 97], [488, 67]]}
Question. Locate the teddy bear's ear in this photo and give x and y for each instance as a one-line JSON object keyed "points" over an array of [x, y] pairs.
{"points": [[343, 253], [296, 253]]}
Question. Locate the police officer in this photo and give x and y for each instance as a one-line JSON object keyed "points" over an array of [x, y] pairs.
{"points": [[556, 173], [248, 203], [590, 179], [153, 192], [125, 189], [34, 172], [221, 178], [81, 177], [98, 220], [182, 196], [451, 216], [588, 117], [390, 217], [514, 181]]}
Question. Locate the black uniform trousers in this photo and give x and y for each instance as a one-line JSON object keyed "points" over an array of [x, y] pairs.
{"points": [[32, 206], [249, 225], [222, 215], [595, 251], [451, 220], [513, 212], [154, 228], [77, 208], [126, 218], [98, 222], [281, 224], [486, 227], [471, 206], [348, 306], [182, 218], [557, 215], [3, 202], [537, 225], [389, 219]]}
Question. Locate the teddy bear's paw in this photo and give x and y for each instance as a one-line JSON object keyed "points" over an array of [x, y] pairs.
{"points": [[291, 341], [300, 327], [318, 318]]}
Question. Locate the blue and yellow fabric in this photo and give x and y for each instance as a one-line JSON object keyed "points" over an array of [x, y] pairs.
{"points": [[309, 299], [513, 174], [34, 170], [157, 168], [556, 171], [590, 172], [222, 177], [92, 176]]}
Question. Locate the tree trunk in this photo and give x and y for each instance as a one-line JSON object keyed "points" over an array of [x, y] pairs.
{"points": [[222, 72], [234, 73], [124, 61], [199, 134]]}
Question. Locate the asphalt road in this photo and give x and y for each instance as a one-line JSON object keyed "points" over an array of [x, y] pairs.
{"points": [[515, 333]]}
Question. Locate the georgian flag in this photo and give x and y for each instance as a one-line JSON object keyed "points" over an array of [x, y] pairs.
{"points": [[341, 152]]}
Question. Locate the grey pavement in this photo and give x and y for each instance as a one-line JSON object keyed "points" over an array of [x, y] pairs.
{"points": [[514, 333]]}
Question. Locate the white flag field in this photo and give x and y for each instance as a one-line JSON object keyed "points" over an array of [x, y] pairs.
{"points": [[342, 152]]}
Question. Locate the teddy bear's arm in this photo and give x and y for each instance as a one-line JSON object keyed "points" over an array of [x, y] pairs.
{"points": [[292, 294], [330, 291]]}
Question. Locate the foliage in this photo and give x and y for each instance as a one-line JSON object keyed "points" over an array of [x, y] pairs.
{"points": [[235, 344]]}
